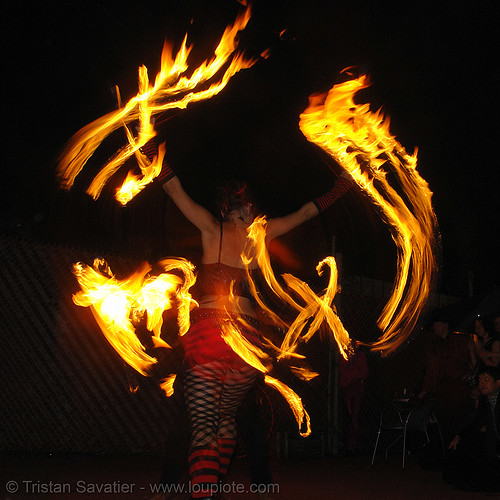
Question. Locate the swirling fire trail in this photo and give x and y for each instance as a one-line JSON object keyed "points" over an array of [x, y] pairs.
{"points": [[358, 140], [171, 90], [361, 143]]}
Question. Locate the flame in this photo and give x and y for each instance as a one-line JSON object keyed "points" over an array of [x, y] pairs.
{"points": [[256, 248], [167, 384], [356, 138], [259, 360], [303, 373], [185, 301], [361, 143], [253, 356], [295, 403], [318, 309], [170, 90], [118, 305], [315, 309], [241, 346]]}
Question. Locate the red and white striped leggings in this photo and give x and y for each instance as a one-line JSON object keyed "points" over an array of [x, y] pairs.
{"points": [[213, 392]]}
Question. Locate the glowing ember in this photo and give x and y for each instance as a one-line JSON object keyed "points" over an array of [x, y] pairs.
{"points": [[170, 90], [360, 142]]}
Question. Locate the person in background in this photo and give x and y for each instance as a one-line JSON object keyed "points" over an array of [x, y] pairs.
{"points": [[474, 462], [486, 344], [485, 351], [444, 387]]}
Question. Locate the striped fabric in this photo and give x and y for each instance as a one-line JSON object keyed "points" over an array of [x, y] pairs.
{"points": [[203, 471], [338, 190], [150, 150], [226, 447], [213, 393], [203, 342]]}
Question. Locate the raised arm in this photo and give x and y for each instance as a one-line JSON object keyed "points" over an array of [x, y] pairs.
{"points": [[171, 184], [281, 225], [195, 213]]}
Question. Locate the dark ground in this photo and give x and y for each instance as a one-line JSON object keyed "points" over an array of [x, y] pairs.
{"points": [[131, 478]]}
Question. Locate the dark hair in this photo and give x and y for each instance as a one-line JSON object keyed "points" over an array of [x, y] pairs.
{"points": [[439, 316], [493, 371], [233, 195], [487, 325]]}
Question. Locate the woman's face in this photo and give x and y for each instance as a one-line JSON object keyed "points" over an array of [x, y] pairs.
{"points": [[479, 328]]}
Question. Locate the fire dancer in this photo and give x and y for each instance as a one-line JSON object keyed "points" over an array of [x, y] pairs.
{"points": [[216, 378]]}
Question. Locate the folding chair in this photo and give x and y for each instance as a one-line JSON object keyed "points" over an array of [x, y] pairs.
{"points": [[394, 419]]}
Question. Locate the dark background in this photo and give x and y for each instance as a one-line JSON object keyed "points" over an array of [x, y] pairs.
{"points": [[432, 65]]}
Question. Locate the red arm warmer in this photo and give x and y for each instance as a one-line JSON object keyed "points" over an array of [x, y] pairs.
{"points": [[150, 150], [342, 185]]}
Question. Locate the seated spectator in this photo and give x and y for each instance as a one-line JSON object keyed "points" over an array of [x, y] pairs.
{"points": [[474, 462]]}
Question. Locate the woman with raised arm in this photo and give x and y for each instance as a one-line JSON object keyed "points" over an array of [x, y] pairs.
{"points": [[216, 378]]}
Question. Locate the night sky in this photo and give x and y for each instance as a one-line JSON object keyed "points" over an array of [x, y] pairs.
{"points": [[432, 67]]}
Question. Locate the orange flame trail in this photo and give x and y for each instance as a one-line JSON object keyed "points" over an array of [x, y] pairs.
{"points": [[167, 385], [118, 304], [295, 403], [361, 143], [170, 90], [254, 357], [315, 309]]}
